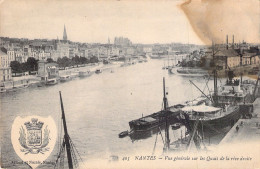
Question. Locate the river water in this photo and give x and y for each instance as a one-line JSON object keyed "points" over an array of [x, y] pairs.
{"points": [[99, 107]]}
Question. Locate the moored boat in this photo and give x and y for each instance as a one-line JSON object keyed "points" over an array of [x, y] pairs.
{"points": [[172, 70], [65, 78], [98, 71], [125, 64], [22, 86], [158, 119], [154, 120], [123, 134], [189, 71], [84, 74], [52, 81], [211, 118]]}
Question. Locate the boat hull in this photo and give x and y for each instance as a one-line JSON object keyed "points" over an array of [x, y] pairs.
{"points": [[64, 79], [51, 82], [156, 120], [98, 71], [189, 72], [85, 74], [216, 125]]}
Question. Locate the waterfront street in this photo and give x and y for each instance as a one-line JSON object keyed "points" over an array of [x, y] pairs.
{"points": [[248, 130]]}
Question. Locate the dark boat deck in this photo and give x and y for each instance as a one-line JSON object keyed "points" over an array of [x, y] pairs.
{"points": [[154, 120]]}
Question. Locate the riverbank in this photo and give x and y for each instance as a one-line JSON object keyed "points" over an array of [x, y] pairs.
{"points": [[34, 80], [244, 70]]}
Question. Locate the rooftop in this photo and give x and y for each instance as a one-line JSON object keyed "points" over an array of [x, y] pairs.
{"points": [[227, 52], [3, 51]]}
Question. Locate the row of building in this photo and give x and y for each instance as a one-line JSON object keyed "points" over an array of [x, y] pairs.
{"points": [[14, 49], [232, 55]]}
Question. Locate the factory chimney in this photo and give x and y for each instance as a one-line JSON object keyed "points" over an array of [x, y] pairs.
{"points": [[227, 42]]}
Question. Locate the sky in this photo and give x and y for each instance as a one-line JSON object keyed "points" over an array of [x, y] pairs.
{"points": [[146, 21]]}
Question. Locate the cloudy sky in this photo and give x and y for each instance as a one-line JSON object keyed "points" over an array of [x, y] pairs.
{"points": [[94, 21]]}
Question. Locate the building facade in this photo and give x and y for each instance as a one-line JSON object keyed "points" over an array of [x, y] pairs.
{"points": [[7, 56], [5, 74], [47, 70]]}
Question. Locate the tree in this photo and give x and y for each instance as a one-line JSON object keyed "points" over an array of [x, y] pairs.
{"points": [[32, 64], [24, 67], [75, 60], [83, 60], [64, 62], [59, 60], [93, 59], [203, 62], [72, 62], [15, 66]]}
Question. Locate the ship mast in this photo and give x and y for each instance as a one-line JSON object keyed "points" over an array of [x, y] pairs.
{"points": [[66, 136], [215, 75], [256, 84], [165, 104]]}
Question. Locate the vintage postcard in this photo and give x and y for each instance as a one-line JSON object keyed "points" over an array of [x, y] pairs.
{"points": [[130, 84]]}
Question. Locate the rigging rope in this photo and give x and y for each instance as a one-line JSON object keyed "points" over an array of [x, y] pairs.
{"points": [[161, 135], [162, 106], [157, 134], [60, 134], [206, 84], [75, 161], [202, 128], [155, 143], [77, 152], [60, 153]]}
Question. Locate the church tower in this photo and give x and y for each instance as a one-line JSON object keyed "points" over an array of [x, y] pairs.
{"points": [[65, 34]]}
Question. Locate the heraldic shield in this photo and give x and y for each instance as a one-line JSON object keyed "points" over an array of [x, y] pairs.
{"points": [[33, 138]]}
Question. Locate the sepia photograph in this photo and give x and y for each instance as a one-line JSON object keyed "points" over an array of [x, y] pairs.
{"points": [[145, 84]]}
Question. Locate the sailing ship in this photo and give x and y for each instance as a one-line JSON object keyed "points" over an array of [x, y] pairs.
{"points": [[66, 145], [168, 67]]}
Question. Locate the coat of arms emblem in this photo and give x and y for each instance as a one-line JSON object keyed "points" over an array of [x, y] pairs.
{"points": [[34, 138], [34, 141]]}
